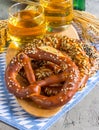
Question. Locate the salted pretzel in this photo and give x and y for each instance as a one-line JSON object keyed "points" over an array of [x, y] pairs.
{"points": [[70, 76], [72, 47]]}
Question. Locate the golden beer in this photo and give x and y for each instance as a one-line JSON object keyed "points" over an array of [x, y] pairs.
{"points": [[57, 12], [26, 24]]}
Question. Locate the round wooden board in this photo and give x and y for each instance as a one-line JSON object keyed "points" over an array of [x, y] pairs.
{"points": [[32, 109], [28, 105]]}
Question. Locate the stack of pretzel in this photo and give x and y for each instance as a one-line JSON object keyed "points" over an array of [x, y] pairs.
{"points": [[46, 73]]}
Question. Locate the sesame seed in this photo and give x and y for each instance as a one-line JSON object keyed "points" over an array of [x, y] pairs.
{"points": [[10, 86], [17, 89], [27, 92], [62, 100]]}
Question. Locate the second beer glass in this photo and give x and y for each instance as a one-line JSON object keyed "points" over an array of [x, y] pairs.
{"points": [[58, 13]]}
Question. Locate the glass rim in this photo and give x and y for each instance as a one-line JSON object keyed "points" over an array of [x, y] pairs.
{"points": [[34, 3]]}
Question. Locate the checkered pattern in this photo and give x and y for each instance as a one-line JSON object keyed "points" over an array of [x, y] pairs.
{"points": [[12, 114]]}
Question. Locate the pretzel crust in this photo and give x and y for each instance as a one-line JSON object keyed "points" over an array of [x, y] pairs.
{"points": [[70, 77], [52, 44]]}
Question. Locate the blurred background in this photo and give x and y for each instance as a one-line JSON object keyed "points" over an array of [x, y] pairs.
{"points": [[4, 5]]}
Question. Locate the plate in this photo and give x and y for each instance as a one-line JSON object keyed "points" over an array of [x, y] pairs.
{"points": [[12, 114]]}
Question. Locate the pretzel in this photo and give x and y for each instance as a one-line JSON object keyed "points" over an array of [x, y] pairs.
{"points": [[72, 47], [70, 77]]}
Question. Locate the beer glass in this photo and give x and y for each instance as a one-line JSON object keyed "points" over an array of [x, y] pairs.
{"points": [[26, 22], [58, 13]]}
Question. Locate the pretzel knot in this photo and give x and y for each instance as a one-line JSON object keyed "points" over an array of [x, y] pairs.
{"points": [[69, 77]]}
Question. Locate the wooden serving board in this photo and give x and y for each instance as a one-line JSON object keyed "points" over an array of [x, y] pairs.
{"points": [[28, 105]]}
